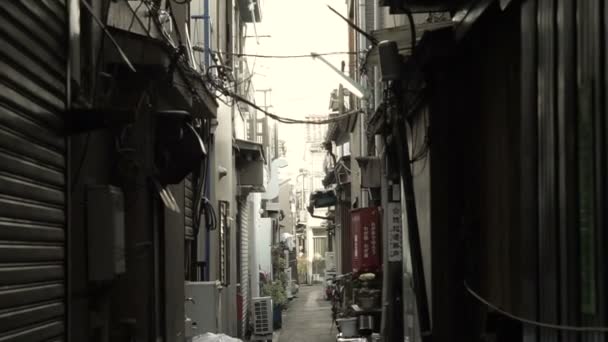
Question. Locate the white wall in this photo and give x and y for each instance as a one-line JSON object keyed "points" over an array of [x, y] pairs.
{"points": [[263, 245], [223, 189], [254, 279]]}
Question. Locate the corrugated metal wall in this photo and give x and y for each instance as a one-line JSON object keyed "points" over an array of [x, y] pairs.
{"points": [[547, 139], [32, 170], [244, 210], [528, 173], [571, 137], [590, 41], [344, 220], [369, 15]]}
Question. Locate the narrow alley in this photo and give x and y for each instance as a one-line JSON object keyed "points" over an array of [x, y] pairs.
{"points": [[308, 318], [212, 170]]}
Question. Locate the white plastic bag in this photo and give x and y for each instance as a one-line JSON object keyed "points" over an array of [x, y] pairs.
{"points": [[209, 337]]}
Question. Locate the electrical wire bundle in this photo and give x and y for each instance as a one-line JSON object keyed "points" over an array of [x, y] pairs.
{"points": [[224, 79], [236, 54], [202, 205], [231, 94]]}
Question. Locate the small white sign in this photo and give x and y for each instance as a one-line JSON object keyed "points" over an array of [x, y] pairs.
{"points": [[395, 250]]}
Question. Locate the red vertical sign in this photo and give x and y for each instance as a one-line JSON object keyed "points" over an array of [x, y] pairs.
{"points": [[366, 240]]}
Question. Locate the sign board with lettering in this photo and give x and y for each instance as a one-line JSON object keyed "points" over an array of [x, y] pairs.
{"points": [[367, 242], [395, 250]]}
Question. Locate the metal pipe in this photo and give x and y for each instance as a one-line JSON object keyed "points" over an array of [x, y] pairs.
{"points": [[207, 33], [351, 84], [207, 193], [377, 87], [362, 24], [72, 9], [255, 29], [363, 149], [364, 101]]}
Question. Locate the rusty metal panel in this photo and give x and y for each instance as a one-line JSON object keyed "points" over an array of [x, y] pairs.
{"points": [[32, 170]]}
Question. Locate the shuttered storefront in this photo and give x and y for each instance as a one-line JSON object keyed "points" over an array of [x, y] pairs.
{"points": [[347, 247], [244, 208], [32, 170]]}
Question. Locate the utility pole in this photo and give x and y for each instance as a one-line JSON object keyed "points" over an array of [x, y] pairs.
{"points": [[394, 314], [267, 141], [265, 91], [392, 286]]}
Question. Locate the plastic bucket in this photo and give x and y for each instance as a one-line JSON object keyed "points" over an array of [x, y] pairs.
{"points": [[348, 326]]}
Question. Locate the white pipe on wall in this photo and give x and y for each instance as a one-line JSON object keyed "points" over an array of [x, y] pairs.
{"points": [[377, 84], [364, 102]]}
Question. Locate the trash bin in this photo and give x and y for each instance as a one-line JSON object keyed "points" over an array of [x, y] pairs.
{"points": [[277, 316]]}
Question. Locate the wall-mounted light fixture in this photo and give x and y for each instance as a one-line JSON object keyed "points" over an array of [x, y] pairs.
{"points": [[349, 83]]}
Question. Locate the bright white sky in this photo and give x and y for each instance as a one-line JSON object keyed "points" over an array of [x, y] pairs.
{"points": [[299, 86]]}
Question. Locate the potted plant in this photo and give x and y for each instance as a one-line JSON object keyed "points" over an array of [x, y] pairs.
{"points": [[276, 291]]}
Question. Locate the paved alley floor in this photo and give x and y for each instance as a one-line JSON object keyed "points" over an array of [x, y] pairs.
{"points": [[308, 318]]}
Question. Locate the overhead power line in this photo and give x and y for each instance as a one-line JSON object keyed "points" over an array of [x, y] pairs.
{"points": [[533, 322], [296, 56], [226, 92], [202, 49]]}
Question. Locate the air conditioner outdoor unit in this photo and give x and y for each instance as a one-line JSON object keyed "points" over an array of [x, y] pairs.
{"points": [[262, 316]]}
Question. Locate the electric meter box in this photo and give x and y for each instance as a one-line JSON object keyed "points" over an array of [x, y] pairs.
{"points": [[105, 232]]}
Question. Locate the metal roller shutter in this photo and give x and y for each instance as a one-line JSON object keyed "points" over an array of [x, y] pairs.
{"points": [[244, 208], [32, 170], [347, 236]]}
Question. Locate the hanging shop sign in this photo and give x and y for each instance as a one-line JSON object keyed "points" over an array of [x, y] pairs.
{"points": [[395, 250], [366, 241]]}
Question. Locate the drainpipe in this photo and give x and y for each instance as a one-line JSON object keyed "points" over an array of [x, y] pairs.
{"points": [[364, 101], [207, 33], [207, 59], [377, 87], [207, 191]]}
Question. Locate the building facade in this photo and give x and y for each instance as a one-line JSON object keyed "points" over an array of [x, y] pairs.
{"points": [[122, 184]]}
